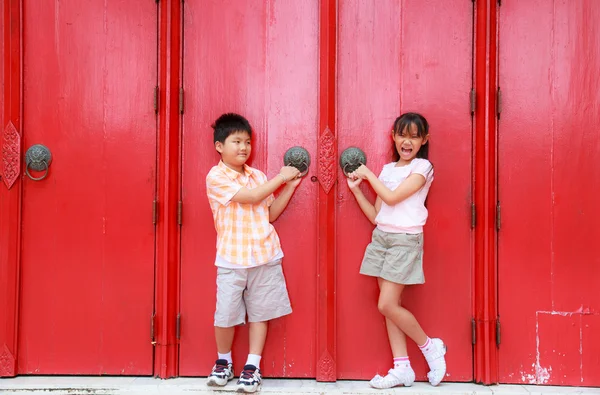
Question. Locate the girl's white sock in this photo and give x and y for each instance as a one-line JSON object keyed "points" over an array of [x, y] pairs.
{"points": [[401, 363]]}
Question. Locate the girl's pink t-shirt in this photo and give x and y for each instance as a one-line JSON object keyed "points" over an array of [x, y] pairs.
{"points": [[409, 215]]}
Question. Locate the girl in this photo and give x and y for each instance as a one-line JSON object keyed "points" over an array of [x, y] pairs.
{"points": [[394, 255]]}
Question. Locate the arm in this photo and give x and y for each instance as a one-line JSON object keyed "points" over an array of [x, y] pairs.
{"points": [[281, 202], [367, 208], [260, 193], [412, 184]]}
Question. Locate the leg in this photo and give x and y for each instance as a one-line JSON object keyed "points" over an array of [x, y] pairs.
{"points": [[229, 312], [258, 335], [402, 373], [224, 337], [389, 306], [222, 371], [396, 337]]}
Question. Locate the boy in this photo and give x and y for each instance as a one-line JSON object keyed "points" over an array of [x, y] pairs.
{"points": [[249, 275]]}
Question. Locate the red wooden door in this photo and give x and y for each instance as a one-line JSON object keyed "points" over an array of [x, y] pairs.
{"points": [[392, 57], [396, 57], [87, 271], [258, 59], [549, 181]]}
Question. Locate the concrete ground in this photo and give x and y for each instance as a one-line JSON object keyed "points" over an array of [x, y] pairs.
{"points": [[59, 385]]}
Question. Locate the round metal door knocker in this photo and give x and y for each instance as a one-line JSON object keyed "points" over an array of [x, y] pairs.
{"points": [[351, 159], [299, 158], [37, 158]]}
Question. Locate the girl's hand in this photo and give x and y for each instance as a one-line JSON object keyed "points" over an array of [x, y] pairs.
{"points": [[362, 172], [353, 182]]}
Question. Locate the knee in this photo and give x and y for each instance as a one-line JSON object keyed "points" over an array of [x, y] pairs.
{"points": [[385, 307]]}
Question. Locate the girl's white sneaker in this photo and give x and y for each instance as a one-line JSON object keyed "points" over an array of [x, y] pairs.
{"points": [[436, 361], [394, 378]]}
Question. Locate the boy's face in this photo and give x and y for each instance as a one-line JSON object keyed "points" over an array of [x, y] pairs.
{"points": [[235, 151]]}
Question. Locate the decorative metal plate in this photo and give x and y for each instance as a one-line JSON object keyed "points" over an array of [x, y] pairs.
{"points": [[38, 157], [351, 159], [297, 157]]}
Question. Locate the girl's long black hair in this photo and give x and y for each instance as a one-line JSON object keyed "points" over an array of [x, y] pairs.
{"points": [[405, 121]]}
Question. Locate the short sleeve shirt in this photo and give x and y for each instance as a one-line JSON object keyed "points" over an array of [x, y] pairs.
{"points": [[409, 215], [245, 236]]}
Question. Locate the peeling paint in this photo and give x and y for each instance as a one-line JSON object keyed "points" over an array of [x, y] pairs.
{"points": [[542, 375], [580, 311]]}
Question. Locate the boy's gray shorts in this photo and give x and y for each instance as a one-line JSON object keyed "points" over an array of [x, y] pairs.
{"points": [[396, 257], [258, 291]]}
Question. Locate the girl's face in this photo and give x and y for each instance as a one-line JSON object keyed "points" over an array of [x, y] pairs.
{"points": [[408, 143]]}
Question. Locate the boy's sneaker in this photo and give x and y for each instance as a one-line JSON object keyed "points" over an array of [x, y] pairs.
{"points": [[250, 379], [221, 373], [436, 361]]}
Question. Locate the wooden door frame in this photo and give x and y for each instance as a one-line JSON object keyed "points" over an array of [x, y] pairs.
{"points": [[485, 287], [11, 189], [167, 275]]}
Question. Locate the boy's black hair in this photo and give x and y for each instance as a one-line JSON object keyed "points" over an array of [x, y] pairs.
{"points": [[405, 121], [230, 123]]}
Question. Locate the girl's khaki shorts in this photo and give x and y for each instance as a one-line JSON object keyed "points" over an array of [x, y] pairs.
{"points": [[396, 257]]}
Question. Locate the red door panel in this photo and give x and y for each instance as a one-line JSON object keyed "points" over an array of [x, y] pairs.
{"points": [[396, 57], [87, 271], [257, 65], [549, 181]]}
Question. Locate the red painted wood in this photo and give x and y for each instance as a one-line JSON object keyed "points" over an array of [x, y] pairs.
{"points": [[10, 199], [590, 359], [396, 57], [485, 197], [87, 272], [253, 64], [548, 183], [327, 172], [559, 342], [167, 229]]}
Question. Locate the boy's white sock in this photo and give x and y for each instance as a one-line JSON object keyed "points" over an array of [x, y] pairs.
{"points": [[254, 359], [226, 357]]}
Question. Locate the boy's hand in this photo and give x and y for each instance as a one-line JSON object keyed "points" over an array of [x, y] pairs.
{"points": [[290, 173], [295, 182]]}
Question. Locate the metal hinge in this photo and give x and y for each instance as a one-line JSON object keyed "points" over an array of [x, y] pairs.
{"points": [[473, 331], [498, 216], [152, 340], [472, 99], [154, 211], [498, 103], [473, 216], [498, 338], [181, 100], [179, 212], [178, 327], [156, 99]]}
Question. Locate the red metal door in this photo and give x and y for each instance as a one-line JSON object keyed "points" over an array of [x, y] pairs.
{"points": [[258, 59], [549, 181], [87, 271], [396, 57]]}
